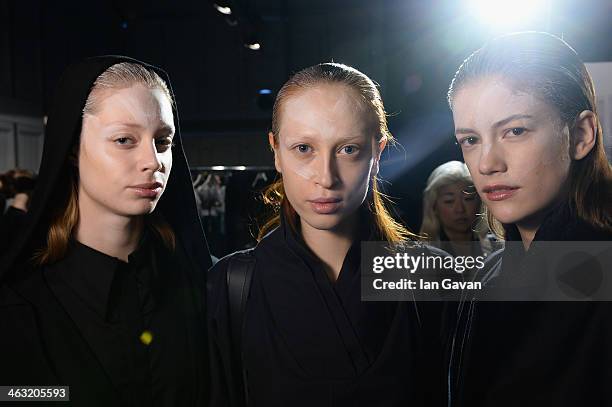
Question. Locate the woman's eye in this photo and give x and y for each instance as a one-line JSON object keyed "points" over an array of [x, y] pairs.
{"points": [[468, 141], [123, 141], [164, 142], [349, 149], [303, 148], [517, 131]]}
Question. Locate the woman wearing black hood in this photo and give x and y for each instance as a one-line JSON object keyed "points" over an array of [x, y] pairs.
{"points": [[104, 289]]}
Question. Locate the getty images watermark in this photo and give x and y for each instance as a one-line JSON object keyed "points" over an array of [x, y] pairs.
{"points": [[411, 263], [548, 271]]}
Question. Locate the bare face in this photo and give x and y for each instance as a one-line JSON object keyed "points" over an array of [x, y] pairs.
{"points": [[327, 154], [125, 154], [456, 208], [515, 147]]}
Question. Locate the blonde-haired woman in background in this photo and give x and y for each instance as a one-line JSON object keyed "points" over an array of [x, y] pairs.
{"points": [[450, 212]]}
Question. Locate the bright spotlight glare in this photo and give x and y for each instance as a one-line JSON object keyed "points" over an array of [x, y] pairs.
{"points": [[223, 10], [217, 167], [255, 46], [506, 12]]}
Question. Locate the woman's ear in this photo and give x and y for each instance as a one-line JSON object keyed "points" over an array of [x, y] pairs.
{"points": [[584, 135], [379, 149], [273, 147]]}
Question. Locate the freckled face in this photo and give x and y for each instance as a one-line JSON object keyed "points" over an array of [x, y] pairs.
{"points": [[515, 147], [327, 154], [125, 154]]}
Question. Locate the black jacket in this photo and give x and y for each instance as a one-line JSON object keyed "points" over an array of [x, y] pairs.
{"points": [[308, 341], [533, 353], [77, 322]]}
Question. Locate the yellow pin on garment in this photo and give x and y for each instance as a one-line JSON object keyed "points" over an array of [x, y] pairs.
{"points": [[146, 337]]}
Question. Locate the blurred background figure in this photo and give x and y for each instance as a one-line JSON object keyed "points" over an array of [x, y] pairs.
{"points": [[450, 212], [16, 188], [20, 184], [3, 193]]}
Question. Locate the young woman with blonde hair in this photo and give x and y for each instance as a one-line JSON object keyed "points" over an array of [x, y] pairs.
{"points": [[103, 289]]}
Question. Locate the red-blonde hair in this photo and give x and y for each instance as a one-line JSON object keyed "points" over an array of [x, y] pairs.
{"points": [[332, 73]]}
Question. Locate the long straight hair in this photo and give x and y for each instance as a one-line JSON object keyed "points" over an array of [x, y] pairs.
{"points": [[332, 73]]}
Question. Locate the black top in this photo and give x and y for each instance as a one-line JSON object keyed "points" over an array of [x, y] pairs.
{"points": [[533, 353], [308, 341], [117, 333]]}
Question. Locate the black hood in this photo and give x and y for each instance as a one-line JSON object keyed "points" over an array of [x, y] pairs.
{"points": [[177, 204]]}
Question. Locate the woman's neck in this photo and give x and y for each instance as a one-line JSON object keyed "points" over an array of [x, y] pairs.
{"points": [[330, 246], [454, 236], [114, 235], [529, 226]]}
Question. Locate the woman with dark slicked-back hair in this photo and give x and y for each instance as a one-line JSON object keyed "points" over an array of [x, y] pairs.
{"points": [[526, 119], [103, 289], [305, 338]]}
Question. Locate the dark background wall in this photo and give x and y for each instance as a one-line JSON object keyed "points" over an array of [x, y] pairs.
{"points": [[410, 47]]}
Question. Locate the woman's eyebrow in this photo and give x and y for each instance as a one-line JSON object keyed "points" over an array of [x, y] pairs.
{"points": [[508, 119], [497, 124], [351, 138], [164, 128], [308, 137], [125, 124], [464, 130]]}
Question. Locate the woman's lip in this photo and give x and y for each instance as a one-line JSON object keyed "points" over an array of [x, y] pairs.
{"points": [[493, 187], [499, 193], [148, 185], [325, 200], [149, 190], [325, 208]]}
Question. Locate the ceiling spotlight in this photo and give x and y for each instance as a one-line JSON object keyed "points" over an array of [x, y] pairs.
{"points": [[507, 12], [223, 10], [254, 46]]}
